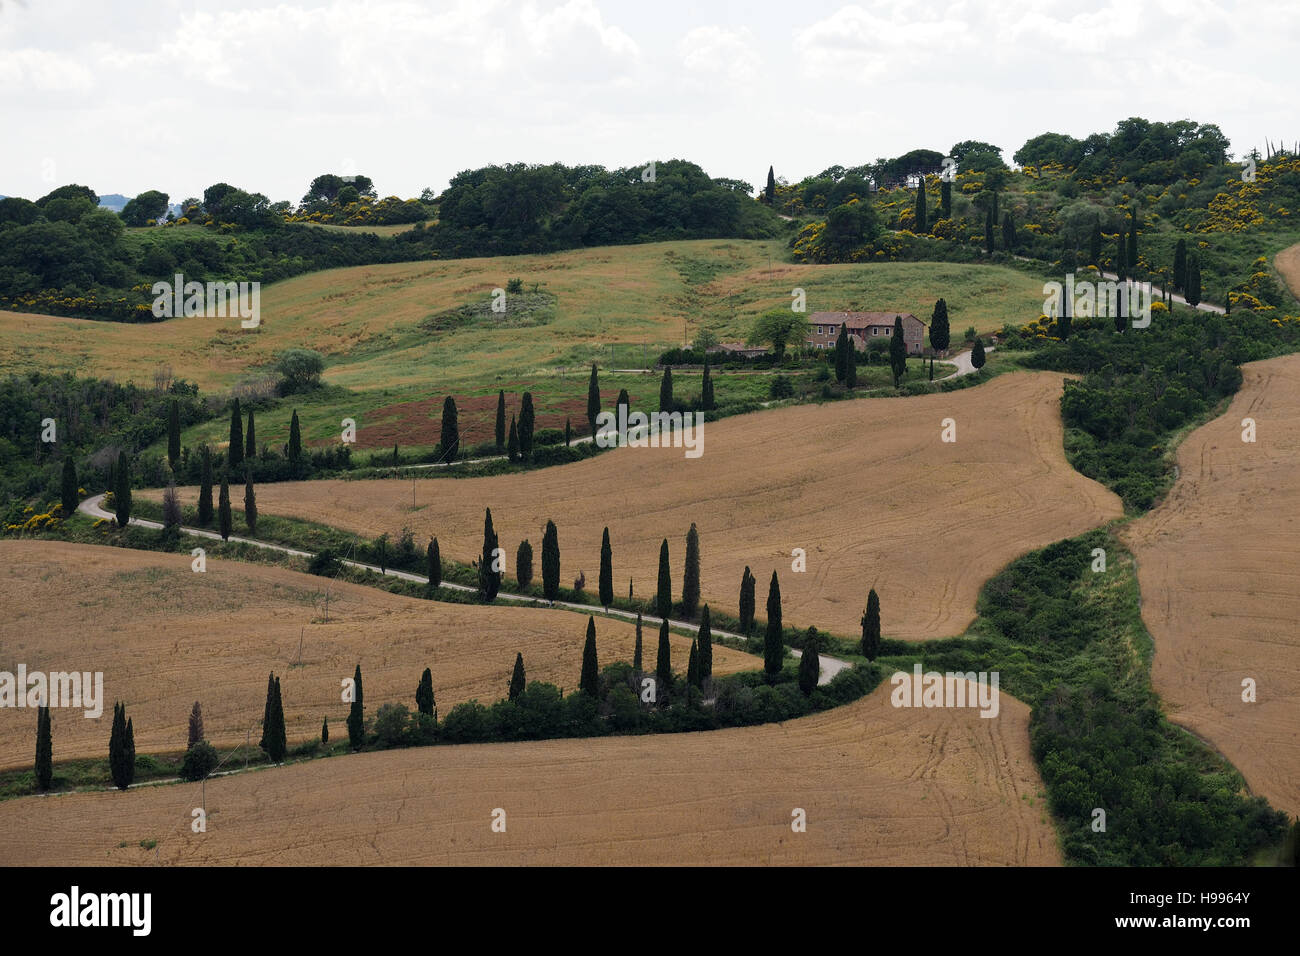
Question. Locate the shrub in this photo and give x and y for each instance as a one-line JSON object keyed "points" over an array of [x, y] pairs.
{"points": [[781, 387], [200, 760], [299, 369], [391, 725], [324, 562], [468, 723]]}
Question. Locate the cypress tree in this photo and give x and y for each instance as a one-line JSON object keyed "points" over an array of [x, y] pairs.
{"points": [[939, 338], [841, 353], [357, 715], [295, 440], [450, 438], [44, 749], [977, 355], [1180, 265], [707, 402], [988, 229], [128, 749], [524, 565], [568, 433], [664, 595], [773, 647], [512, 446], [809, 664], [666, 391], [1121, 257], [196, 725], [121, 748], [122, 491], [995, 207], [527, 421], [1094, 246], [235, 453], [769, 191], [489, 580], [223, 509], [517, 679], [250, 440], [68, 486], [606, 572], [325, 730], [434, 558], [593, 400], [250, 502], [501, 420], [266, 711], [115, 744], [691, 576], [205, 486], [663, 663], [898, 351], [1227, 302], [938, 331], [622, 407], [173, 433], [693, 666], [637, 650], [850, 365], [706, 645], [274, 739], [424, 693], [1133, 249], [1193, 293], [1008, 232], [590, 680], [871, 627], [550, 562], [746, 602], [920, 207], [1062, 325], [945, 199]]}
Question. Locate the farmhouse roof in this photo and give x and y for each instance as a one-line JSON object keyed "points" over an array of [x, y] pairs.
{"points": [[856, 320]]}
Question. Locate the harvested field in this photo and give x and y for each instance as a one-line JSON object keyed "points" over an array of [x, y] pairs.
{"points": [[866, 487], [1287, 263], [879, 785], [1217, 565], [165, 637]]}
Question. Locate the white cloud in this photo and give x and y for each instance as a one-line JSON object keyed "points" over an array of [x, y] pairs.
{"points": [[713, 51], [23, 72]]}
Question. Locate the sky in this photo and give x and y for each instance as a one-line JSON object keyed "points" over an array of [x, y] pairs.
{"points": [[179, 94]]}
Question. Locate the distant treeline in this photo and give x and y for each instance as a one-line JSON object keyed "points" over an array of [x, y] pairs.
{"points": [[62, 254]]}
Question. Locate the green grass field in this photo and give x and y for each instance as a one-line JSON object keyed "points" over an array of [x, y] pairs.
{"points": [[393, 354]]}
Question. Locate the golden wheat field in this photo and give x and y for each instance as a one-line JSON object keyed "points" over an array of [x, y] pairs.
{"points": [[878, 785], [165, 636], [1218, 595], [866, 488]]}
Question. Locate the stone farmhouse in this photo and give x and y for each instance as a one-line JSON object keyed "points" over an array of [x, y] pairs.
{"points": [[824, 328]]}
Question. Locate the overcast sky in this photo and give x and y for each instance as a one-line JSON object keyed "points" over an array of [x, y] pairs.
{"points": [[179, 94]]}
